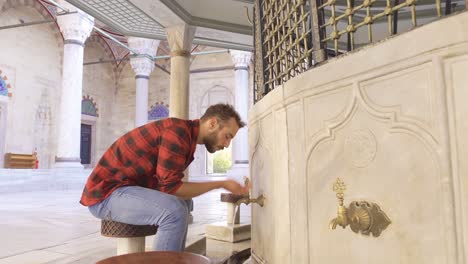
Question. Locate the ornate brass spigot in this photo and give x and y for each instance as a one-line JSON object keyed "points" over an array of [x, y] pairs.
{"points": [[342, 220], [362, 217], [247, 200]]}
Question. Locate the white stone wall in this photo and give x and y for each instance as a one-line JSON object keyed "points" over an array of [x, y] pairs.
{"points": [[123, 118], [390, 121], [31, 59], [209, 88], [158, 88], [99, 83]]}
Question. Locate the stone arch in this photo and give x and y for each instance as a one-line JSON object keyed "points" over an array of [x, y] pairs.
{"points": [[164, 50], [109, 54], [216, 94], [89, 106], [158, 111], [44, 9], [118, 53], [98, 39], [120, 69], [206, 99]]}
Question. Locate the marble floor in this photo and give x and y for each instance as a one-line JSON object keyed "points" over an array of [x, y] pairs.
{"points": [[48, 225]]}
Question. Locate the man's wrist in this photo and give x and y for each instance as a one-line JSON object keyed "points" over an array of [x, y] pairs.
{"points": [[222, 184]]}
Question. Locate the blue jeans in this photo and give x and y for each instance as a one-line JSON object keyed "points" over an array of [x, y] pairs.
{"points": [[142, 206]]}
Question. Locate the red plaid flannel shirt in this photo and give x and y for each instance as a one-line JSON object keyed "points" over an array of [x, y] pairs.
{"points": [[153, 156]]}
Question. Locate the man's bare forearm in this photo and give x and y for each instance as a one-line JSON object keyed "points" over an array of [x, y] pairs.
{"points": [[193, 189]]}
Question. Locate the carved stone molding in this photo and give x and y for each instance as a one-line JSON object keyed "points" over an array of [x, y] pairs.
{"points": [[360, 147], [142, 66], [76, 26], [397, 123], [143, 45], [241, 59]]}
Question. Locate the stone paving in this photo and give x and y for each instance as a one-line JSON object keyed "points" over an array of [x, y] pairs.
{"points": [[41, 221]]}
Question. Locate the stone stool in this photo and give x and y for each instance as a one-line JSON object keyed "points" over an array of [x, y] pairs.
{"points": [[130, 238], [231, 230], [155, 257]]}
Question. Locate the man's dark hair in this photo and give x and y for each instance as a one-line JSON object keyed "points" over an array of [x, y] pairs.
{"points": [[223, 112]]}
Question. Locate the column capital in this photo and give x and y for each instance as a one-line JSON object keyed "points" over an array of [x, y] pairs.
{"points": [[144, 45], [77, 27], [141, 65], [180, 38], [240, 58]]}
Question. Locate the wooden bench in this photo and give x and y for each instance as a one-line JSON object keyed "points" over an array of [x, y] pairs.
{"points": [[20, 161]]}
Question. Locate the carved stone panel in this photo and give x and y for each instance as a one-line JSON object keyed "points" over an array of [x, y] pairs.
{"points": [[263, 235], [395, 169], [325, 108], [457, 79], [407, 92], [360, 148]]}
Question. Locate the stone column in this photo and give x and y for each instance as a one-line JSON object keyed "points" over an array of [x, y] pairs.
{"points": [[75, 29], [240, 150], [180, 39], [142, 66], [180, 42]]}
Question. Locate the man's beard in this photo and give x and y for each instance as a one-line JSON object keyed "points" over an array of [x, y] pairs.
{"points": [[210, 142]]}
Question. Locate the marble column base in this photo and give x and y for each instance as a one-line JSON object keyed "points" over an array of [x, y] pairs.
{"points": [[127, 245], [228, 232]]}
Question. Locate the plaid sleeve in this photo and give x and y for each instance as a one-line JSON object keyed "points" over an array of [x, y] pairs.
{"points": [[172, 158]]}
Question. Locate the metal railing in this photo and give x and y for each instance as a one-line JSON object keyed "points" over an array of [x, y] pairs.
{"points": [[292, 36]]}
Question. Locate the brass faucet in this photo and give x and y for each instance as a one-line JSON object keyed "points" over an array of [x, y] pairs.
{"points": [[362, 216], [247, 200], [342, 219]]}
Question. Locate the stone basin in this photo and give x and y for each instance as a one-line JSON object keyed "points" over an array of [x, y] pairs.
{"points": [[157, 257]]}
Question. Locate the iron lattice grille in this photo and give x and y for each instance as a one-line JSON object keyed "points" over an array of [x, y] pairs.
{"points": [[291, 36], [286, 40], [258, 57], [352, 25]]}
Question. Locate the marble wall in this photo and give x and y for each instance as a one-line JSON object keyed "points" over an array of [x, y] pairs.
{"points": [[390, 121], [207, 88], [31, 58], [99, 85]]}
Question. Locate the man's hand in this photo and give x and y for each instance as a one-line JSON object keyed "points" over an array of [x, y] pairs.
{"points": [[236, 188]]}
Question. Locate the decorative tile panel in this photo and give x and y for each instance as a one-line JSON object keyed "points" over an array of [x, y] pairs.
{"points": [[158, 111]]}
